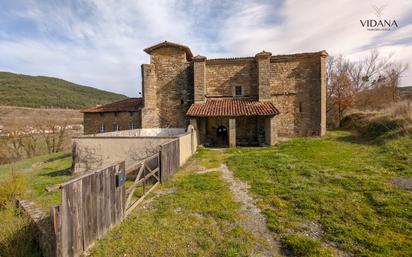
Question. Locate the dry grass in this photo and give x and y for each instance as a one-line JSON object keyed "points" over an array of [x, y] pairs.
{"points": [[16, 118]]}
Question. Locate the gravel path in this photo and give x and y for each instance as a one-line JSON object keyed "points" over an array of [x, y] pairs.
{"points": [[252, 219]]}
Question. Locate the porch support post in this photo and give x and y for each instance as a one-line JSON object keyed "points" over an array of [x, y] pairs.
{"points": [[232, 132], [271, 134]]}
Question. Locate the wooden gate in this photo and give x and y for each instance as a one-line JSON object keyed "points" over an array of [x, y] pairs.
{"points": [[95, 202], [169, 159], [145, 174], [91, 204]]}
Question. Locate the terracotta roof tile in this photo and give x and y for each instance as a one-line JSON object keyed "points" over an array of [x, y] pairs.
{"points": [[232, 107], [129, 104]]}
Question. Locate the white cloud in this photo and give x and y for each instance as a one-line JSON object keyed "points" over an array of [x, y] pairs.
{"points": [[99, 43]]}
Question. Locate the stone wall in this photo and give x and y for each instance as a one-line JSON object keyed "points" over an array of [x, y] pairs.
{"points": [[92, 121], [295, 87], [168, 88], [296, 84], [223, 76]]}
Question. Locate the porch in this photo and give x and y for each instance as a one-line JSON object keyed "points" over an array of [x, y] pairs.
{"points": [[234, 122]]}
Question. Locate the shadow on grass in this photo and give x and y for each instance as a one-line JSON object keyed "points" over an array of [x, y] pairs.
{"points": [[58, 157], [57, 173]]}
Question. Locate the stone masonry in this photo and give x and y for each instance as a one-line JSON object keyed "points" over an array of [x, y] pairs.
{"points": [[295, 84], [266, 95]]}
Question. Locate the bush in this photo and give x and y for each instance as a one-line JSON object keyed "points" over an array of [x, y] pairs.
{"points": [[11, 189], [305, 247], [17, 233]]}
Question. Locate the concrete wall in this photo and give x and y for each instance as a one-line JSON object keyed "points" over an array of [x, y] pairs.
{"points": [[148, 132], [187, 146], [91, 153], [101, 150]]}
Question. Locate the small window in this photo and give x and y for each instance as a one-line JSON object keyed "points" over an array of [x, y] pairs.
{"points": [[131, 125], [300, 107], [116, 114], [101, 128], [182, 101], [131, 114], [116, 127], [101, 114], [238, 91]]}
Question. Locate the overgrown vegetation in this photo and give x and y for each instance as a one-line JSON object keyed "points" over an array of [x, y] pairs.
{"points": [[27, 179], [369, 83], [40, 91]]}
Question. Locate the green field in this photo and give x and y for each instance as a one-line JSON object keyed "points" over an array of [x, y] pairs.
{"points": [[325, 196], [27, 179], [39, 91]]}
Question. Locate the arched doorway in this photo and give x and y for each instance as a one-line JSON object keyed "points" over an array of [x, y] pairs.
{"points": [[221, 136]]}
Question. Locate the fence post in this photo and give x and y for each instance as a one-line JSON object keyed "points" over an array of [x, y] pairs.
{"points": [[55, 220]]}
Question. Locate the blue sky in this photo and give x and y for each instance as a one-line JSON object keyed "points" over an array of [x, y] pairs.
{"points": [[100, 42]]}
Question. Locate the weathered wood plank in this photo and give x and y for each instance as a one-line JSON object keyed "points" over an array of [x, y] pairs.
{"points": [[136, 203], [120, 194], [72, 220], [89, 199]]}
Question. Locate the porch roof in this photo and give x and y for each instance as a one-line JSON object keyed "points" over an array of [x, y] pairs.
{"points": [[232, 107]]}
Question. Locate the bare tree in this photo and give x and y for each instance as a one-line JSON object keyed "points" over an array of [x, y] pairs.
{"points": [[393, 74], [53, 135], [340, 91], [364, 73]]}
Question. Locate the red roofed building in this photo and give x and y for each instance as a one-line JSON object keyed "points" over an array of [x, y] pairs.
{"points": [[232, 101], [121, 115]]}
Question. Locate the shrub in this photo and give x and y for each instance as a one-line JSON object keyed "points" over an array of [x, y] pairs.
{"points": [[11, 189], [17, 233]]}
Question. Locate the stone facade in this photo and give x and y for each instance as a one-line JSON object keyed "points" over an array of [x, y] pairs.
{"points": [[295, 84], [167, 88], [111, 121], [273, 95]]}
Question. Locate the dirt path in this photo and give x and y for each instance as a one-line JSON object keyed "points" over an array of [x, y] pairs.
{"points": [[251, 217]]}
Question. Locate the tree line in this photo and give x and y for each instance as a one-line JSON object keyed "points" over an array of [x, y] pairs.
{"points": [[369, 83]]}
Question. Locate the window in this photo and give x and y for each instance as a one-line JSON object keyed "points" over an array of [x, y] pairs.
{"points": [[131, 114], [101, 128], [116, 114], [182, 101], [238, 91], [101, 114], [116, 127], [131, 125], [300, 107]]}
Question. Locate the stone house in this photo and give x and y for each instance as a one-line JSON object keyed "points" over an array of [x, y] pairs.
{"points": [[121, 115], [234, 101]]}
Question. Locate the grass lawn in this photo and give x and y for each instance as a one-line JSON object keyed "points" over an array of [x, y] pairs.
{"points": [[27, 179], [191, 215], [323, 194]]}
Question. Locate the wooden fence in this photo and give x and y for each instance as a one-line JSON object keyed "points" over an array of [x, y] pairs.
{"points": [[170, 159], [95, 202]]}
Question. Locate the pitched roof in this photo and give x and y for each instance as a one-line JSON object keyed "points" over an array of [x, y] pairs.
{"points": [[189, 54], [126, 105], [232, 107]]}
